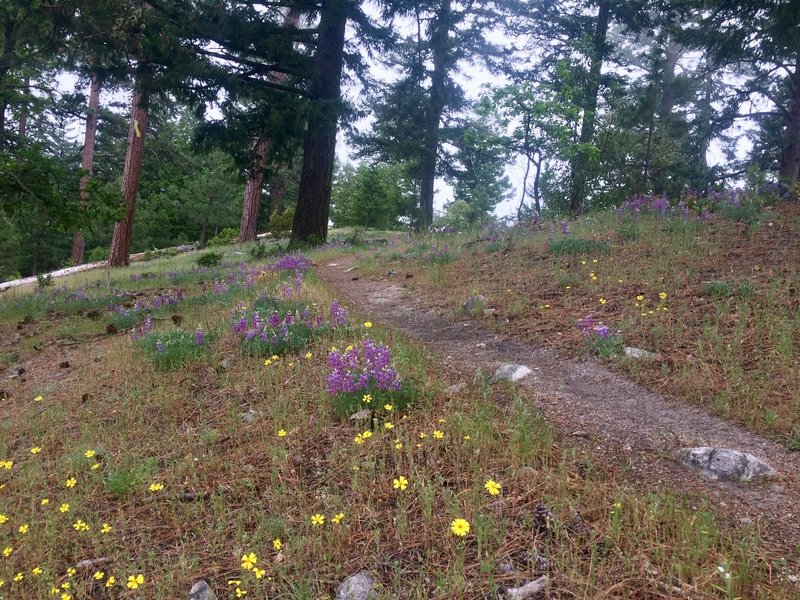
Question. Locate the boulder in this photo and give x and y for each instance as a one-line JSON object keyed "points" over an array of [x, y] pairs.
{"points": [[202, 591]]}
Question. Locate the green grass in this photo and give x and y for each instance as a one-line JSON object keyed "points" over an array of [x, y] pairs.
{"points": [[232, 487]]}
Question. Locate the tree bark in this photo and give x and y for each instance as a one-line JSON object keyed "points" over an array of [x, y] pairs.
{"points": [[121, 239], [319, 147], [6, 61], [87, 162], [790, 153], [248, 228], [436, 101], [581, 161]]}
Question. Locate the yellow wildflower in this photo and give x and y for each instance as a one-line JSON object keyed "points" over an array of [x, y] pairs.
{"points": [[259, 573], [277, 543], [438, 434], [98, 575], [63, 508], [398, 445], [38, 399], [134, 581], [36, 571], [367, 398], [317, 519], [3, 518], [493, 487], [240, 593], [368, 324], [45, 501], [401, 483], [111, 581], [156, 487], [19, 577], [388, 425], [71, 482], [7, 551], [36, 450], [663, 295], [337, 518], [388, 407], [281, 433], [460, 527], [89, 453], [95, 466], [23, 529], [106, 528], [249, 561]]}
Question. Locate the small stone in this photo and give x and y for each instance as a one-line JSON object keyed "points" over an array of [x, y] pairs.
{"points": [[529, 590], [723, 464], [631, 352], [202, 591], [251, 416], [511, 372], [745, 521], [360, 586], [489, 312], [455, 389], [225, 364], [364, 413], [506, 569], [474, 304], [580, 433]]}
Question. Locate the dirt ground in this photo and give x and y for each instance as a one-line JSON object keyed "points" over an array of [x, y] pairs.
{"points": [[636, 431]]}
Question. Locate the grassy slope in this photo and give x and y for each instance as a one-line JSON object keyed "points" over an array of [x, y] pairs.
{"points": [[232, 487], [730, 334]]}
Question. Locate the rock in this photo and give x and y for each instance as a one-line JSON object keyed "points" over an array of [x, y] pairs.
{"points": [[202, 591], [489, 312], [360, 586], [251, 416], [722, 464], [225, 364], [506, 568], [631, 352], [529, 590], [364, 413], [511, 372], [474, 303], [455, 389]]}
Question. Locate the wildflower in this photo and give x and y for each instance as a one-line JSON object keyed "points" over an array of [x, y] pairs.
{"points": [[620, 281], [111, 581], [317, 519], [38, 399], [401, 483], [80, 525], [277, 543], [36, 450], [356, 468], [23, 529], [368, 324], [259, 573], [134, 581], [234, 581], [593, 276], [493, 487], [98, 575], [70, 573], [3, 518], [63, 508], [281, 433], [367, 434], [359, 439], [309, 355], [106, 528], [249, 561], [95, 466], [663, 295], [422, 435], [2, 583], [89, 453], [337, 518], [388, 425], [240, 592], [367, 398], [71, 482], [441, 420], [19, 577], [45, 501], [460, 527], [156, 487], [7, 551], [438, 434], [6, 464], [603, 300], [388, 407], [36, 571], [640, 298], [398, 445], [66, 596], [467, 437]]}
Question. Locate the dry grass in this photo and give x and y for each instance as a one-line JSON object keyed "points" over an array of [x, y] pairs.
{"points": [[730, 337], [231, 487]]}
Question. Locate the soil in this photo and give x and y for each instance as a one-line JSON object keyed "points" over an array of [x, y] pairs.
{"points": [[620, 422]]}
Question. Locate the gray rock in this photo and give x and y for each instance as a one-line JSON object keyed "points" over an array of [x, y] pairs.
{"points": [[360, 586], [455, 389], [722, 464], [251, 416], [511, 372], [631, 352], [529, 590], [474, 304], [202, 591]]}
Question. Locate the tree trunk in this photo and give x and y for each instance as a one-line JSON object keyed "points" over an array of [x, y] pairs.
{"points": [[121, 239], [6, 60], [537, 196], [87, 162], [248, 228], [277, 190], [22, 130], [790, 155], [581, 161], [436, 101], [319, 147]]}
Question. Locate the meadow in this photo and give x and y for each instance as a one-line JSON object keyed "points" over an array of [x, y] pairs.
{"points": [[167, 422]]}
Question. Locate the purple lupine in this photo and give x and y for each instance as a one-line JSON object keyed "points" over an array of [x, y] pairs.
{"points": [[602, 331], [356, 369], [338, 315], [565, 228], [159, 347], [291, 262], [199, 337]]}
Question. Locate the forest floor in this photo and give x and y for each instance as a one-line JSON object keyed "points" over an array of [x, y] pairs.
{"points": [[132, 468]]}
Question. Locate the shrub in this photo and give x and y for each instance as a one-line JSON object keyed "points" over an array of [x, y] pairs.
{"points": [[209, 259], [280, 223], [97, 254], [226, 237], [262, 250], [44, 281], [575, 246], [603, 342], [174, 349]]}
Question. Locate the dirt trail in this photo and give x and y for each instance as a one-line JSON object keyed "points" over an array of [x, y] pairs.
{"points": [[620, 420]]}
